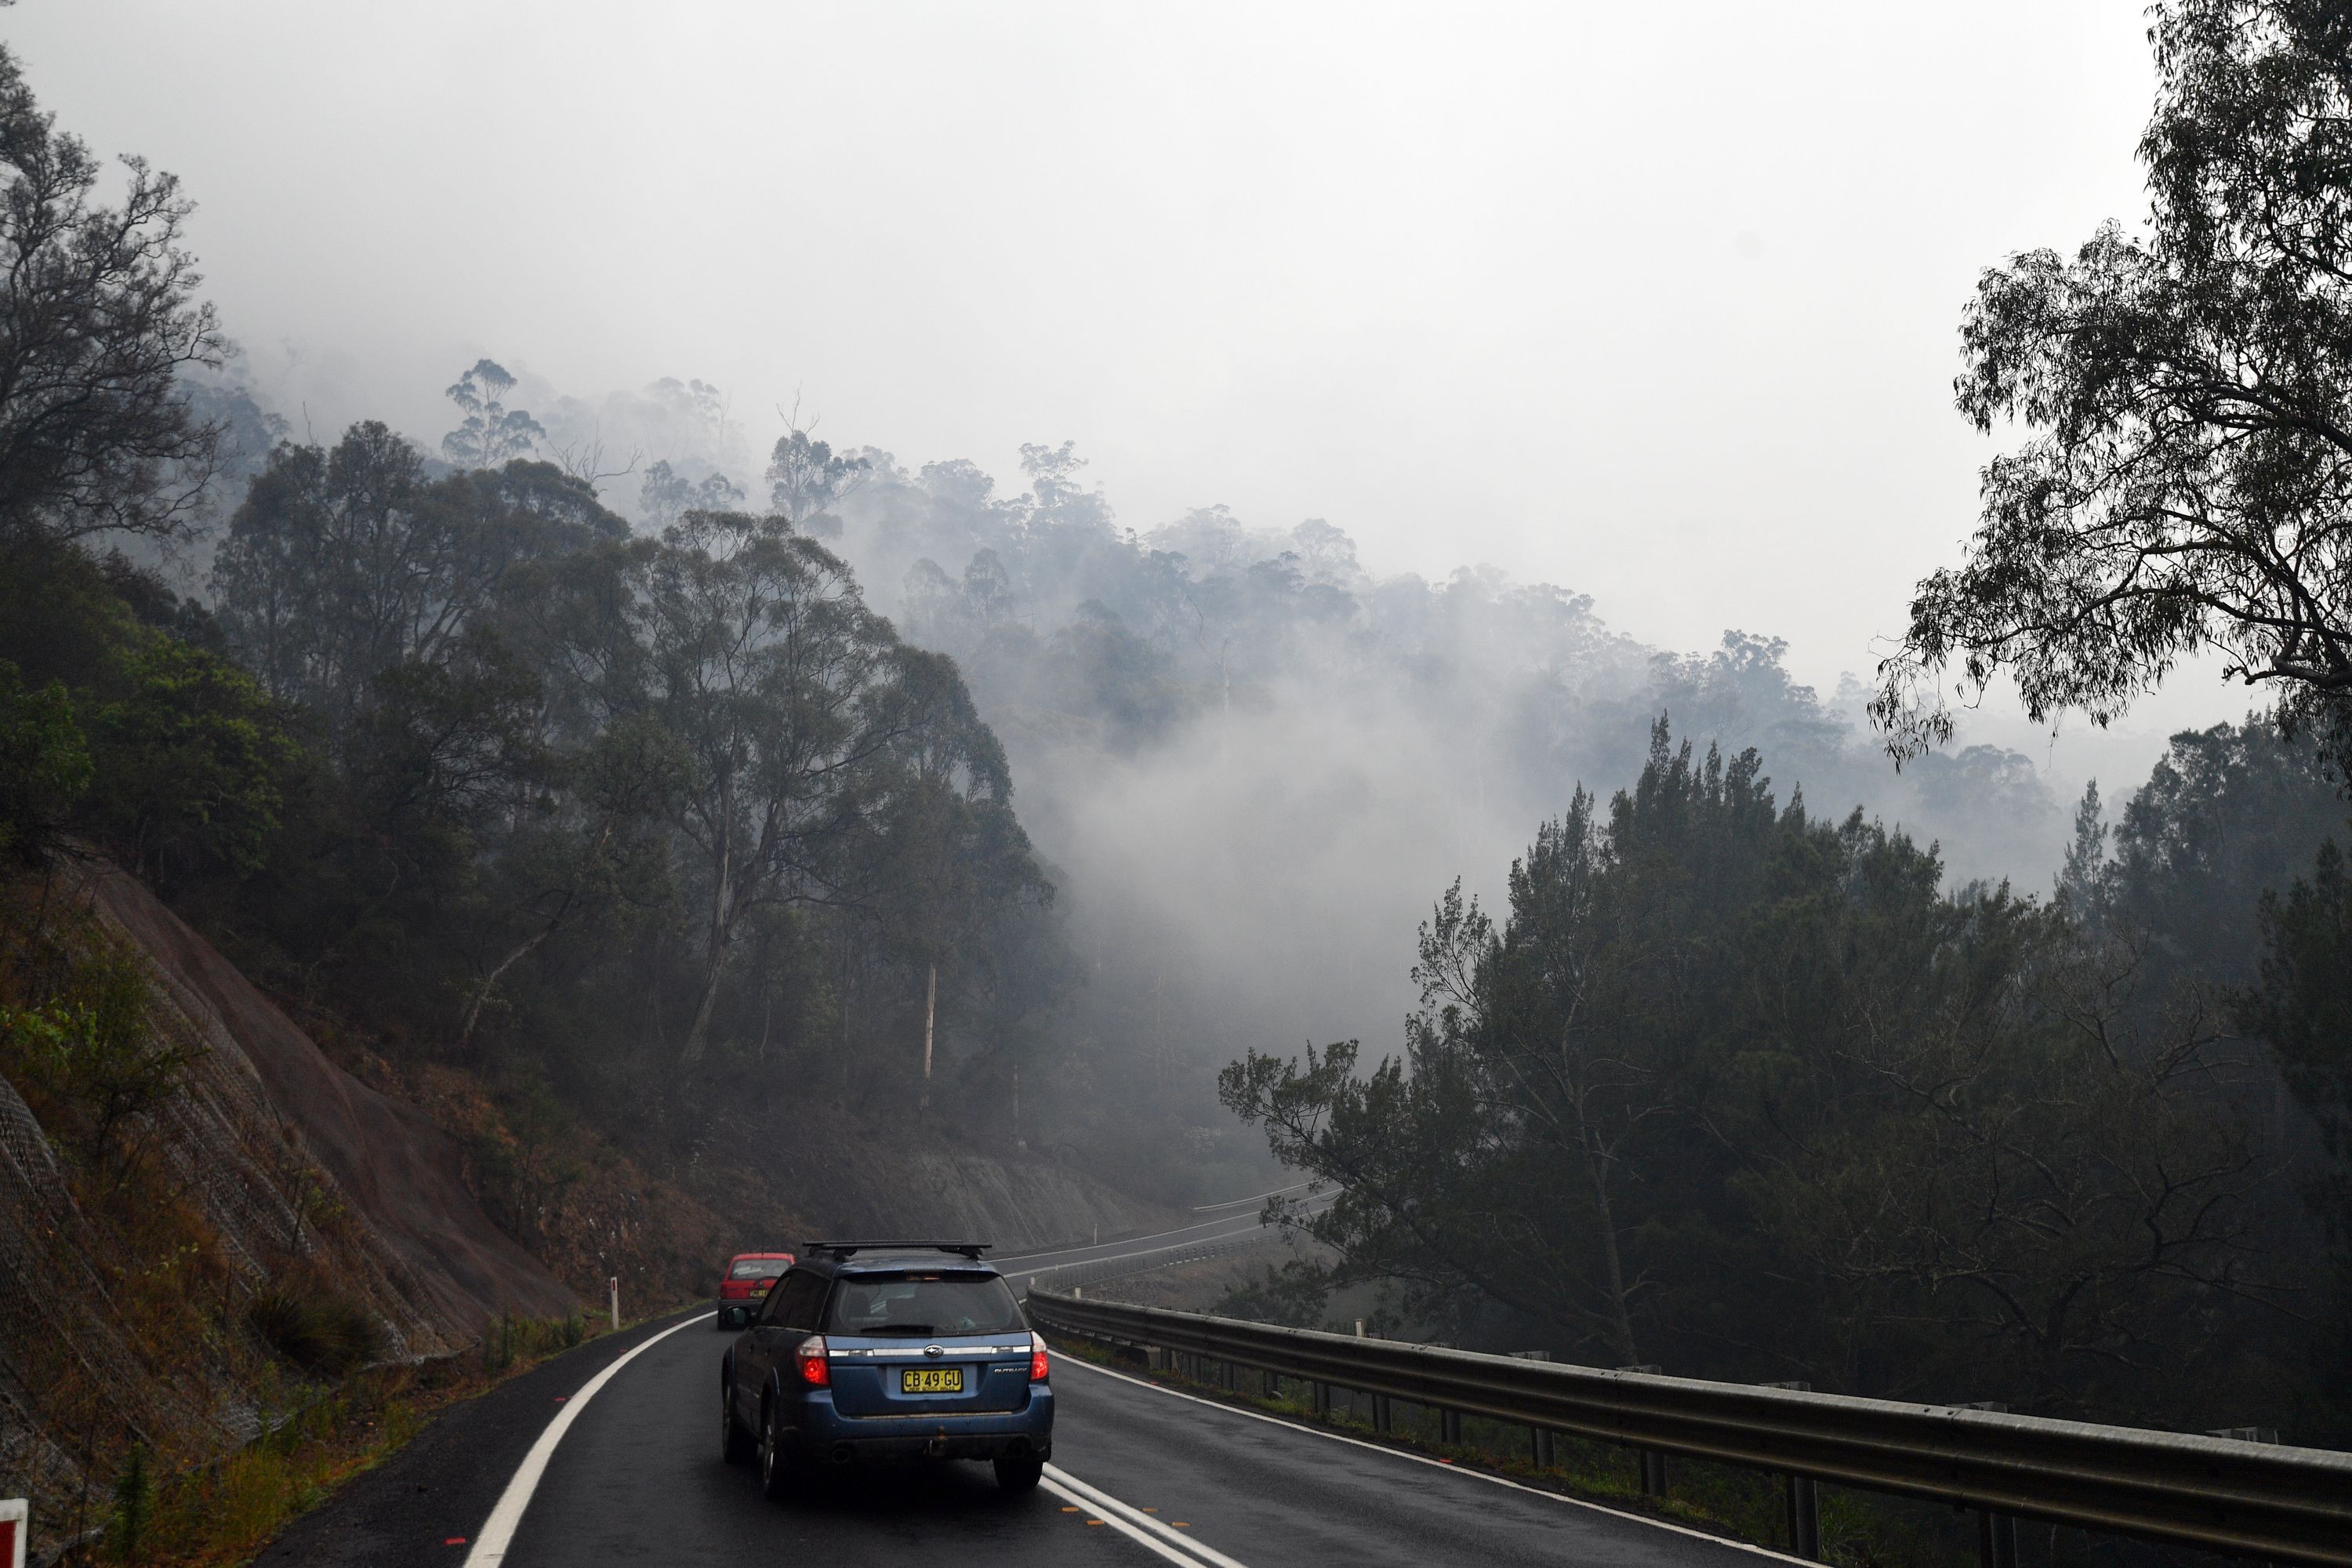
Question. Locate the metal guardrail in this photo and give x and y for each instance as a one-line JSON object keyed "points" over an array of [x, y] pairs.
{"points": [[2252, 1499]]}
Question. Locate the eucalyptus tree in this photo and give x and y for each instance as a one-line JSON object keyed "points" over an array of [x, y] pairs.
{"points": [[99, 320], [2185, 483], [343, 564], [666, 495], [491, 435], [806, 476], [761, 658]]}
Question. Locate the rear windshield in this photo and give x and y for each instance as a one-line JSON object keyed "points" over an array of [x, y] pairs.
{"points": [[756, 1268], [914, 1303]]}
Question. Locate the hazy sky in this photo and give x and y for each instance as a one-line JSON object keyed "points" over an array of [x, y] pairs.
{"points": [[1657, 302]]}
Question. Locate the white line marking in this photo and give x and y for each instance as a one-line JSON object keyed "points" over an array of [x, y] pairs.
{"points": [[1254, 1197], [1462, 1470], [1109, 1505], [1111, 1517], [498, 1532]]}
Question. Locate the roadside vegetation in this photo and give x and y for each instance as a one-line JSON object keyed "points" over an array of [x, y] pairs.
{"points": [[222, 1512]]}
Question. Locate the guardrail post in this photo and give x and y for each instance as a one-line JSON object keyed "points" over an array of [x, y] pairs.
{"points": [[1538, 1440], [1269, 1386], [1654, 1461], [1380, 1413], [1319, 1395], [2246, 1435], [1996, 1540], [1996, 1532], [1802, 1498], [1449, 1428]]}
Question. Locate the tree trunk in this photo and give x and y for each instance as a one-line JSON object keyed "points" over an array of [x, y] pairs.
{"points": [[1598, 1167], [930, 1017], [722, 894], [490, 982]]}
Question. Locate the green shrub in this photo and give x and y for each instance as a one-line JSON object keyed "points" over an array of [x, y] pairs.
{"points": [[134, 1507], [44, 764]]}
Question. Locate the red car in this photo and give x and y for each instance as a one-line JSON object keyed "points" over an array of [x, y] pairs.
{"points": [[748, 1277]]}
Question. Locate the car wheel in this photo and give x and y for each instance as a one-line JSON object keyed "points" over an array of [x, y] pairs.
{"points": [[734, 1443], [1020, 1475], [775, 1465]]}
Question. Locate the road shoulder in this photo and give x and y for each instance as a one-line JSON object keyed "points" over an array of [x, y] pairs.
{"points": [[425, 1503]]}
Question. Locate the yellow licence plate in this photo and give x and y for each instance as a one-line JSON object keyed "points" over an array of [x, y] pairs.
{"points": [[930, 1380]]}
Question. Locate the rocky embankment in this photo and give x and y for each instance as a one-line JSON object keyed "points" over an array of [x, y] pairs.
{"points": [[178, 1162], [186, 1179]]}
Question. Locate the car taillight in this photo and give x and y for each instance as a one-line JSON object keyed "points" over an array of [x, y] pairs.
{"points": [[1036, 1356], [814, 1370]]}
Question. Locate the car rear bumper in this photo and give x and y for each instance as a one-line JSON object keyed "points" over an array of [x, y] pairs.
{"points": [[825, 1433]]}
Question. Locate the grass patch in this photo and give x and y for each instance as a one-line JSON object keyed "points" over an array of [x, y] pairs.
{"points": [[322, 1333], [223, 1512]]}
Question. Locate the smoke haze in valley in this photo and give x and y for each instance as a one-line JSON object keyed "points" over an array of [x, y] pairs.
{"points": [[1657, 308]]}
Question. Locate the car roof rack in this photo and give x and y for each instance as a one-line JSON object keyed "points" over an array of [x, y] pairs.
{"points": [[971, 1250]]}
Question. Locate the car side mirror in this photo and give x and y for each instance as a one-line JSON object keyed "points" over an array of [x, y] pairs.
{"points": [[735, 1317]]}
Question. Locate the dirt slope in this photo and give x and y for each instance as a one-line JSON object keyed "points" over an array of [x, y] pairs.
{"points": [[402, 1172]]}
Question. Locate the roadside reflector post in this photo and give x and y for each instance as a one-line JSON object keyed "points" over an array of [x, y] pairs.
{"points": [[15, 1524], [1996, 1532], [615, 1285], [1077, 1293], [1801, 1499]]}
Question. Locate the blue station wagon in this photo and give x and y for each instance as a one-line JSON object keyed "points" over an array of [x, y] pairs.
{"points": [[887, 1350]]}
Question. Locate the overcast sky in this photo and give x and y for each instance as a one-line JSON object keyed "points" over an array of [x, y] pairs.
{"points": [[1657, 302]]}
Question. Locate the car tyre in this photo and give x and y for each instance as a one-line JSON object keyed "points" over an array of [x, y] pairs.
{"points": [[1020, 1476], [734, 1443], [775, 1465]]}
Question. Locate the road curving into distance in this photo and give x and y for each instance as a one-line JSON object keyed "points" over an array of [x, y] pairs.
{"points": [[1225, 1231], [610, 1456]]}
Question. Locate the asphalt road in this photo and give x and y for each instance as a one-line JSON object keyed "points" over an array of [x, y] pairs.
{"points": [[638, 1480], [1141, 1476], [1022, 1268]]}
